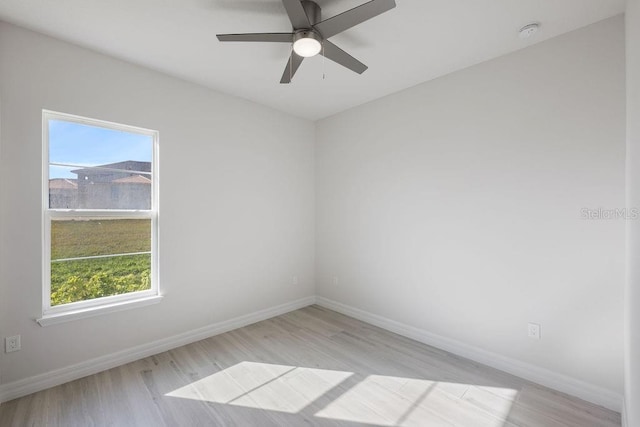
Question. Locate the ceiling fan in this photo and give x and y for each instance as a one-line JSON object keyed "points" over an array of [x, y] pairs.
{"points": [[310, 34]]}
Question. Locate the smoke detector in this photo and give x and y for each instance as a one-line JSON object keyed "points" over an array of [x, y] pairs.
{"points": [[529, 30]]}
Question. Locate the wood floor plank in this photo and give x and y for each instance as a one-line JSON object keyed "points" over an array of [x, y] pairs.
{"points": [[308, 367]]}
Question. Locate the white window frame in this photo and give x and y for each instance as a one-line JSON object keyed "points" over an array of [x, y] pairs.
{"points": [[71, 311]]}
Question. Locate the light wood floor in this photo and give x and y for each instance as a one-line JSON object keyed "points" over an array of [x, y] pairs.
{"points": [[309, 367]]}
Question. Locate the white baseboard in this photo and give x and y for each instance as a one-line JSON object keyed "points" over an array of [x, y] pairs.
{"points": [[60, 376], [572, 386]]}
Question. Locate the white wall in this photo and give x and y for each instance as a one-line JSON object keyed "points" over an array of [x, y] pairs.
{"points": [[632, 296], [455, 206], [236, 196]]}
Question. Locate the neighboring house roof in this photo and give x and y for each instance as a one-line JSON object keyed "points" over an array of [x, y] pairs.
{"points": [[133, 179], [63, 184], [127, 165]]}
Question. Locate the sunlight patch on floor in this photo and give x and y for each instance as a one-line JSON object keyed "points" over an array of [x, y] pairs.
{"points": [[397, 401], [377, 399], [263, 385]]}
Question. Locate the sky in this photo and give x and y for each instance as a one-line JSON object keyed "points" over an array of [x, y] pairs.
{"points": [[83, 145]]}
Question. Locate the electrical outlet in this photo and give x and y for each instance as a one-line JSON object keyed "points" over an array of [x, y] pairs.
{"points": [[12, 343], [533, 331], [335, 280], [294, 280]]}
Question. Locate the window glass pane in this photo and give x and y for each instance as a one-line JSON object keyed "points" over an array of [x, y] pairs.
{"points": [[86, 279], [73, 238], [92, 167], [105, 272]]}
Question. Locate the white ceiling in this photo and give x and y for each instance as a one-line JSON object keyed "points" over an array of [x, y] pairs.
{"points": [[417, 41]]}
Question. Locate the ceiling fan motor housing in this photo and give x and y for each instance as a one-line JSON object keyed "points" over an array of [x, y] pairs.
{"points": [[306, 34]]}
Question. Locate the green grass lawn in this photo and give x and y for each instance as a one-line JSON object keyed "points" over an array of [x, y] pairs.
{"points": [[79, 280], [73, 238]]}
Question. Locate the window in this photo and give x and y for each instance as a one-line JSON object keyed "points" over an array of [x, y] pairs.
{"points": [[100, 217]]}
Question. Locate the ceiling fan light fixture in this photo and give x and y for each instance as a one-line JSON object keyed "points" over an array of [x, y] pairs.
{"points": [[307, 43]]}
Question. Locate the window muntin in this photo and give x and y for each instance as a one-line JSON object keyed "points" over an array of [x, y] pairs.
{"points": [[100, 213]]}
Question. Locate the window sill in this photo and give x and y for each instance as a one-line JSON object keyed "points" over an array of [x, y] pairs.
{"points": [[67, 316]]}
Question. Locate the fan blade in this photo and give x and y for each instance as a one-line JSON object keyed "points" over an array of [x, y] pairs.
{"points": [[297, 15], [352, 17], [292, 66], [339, 56], [257, 37]]}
